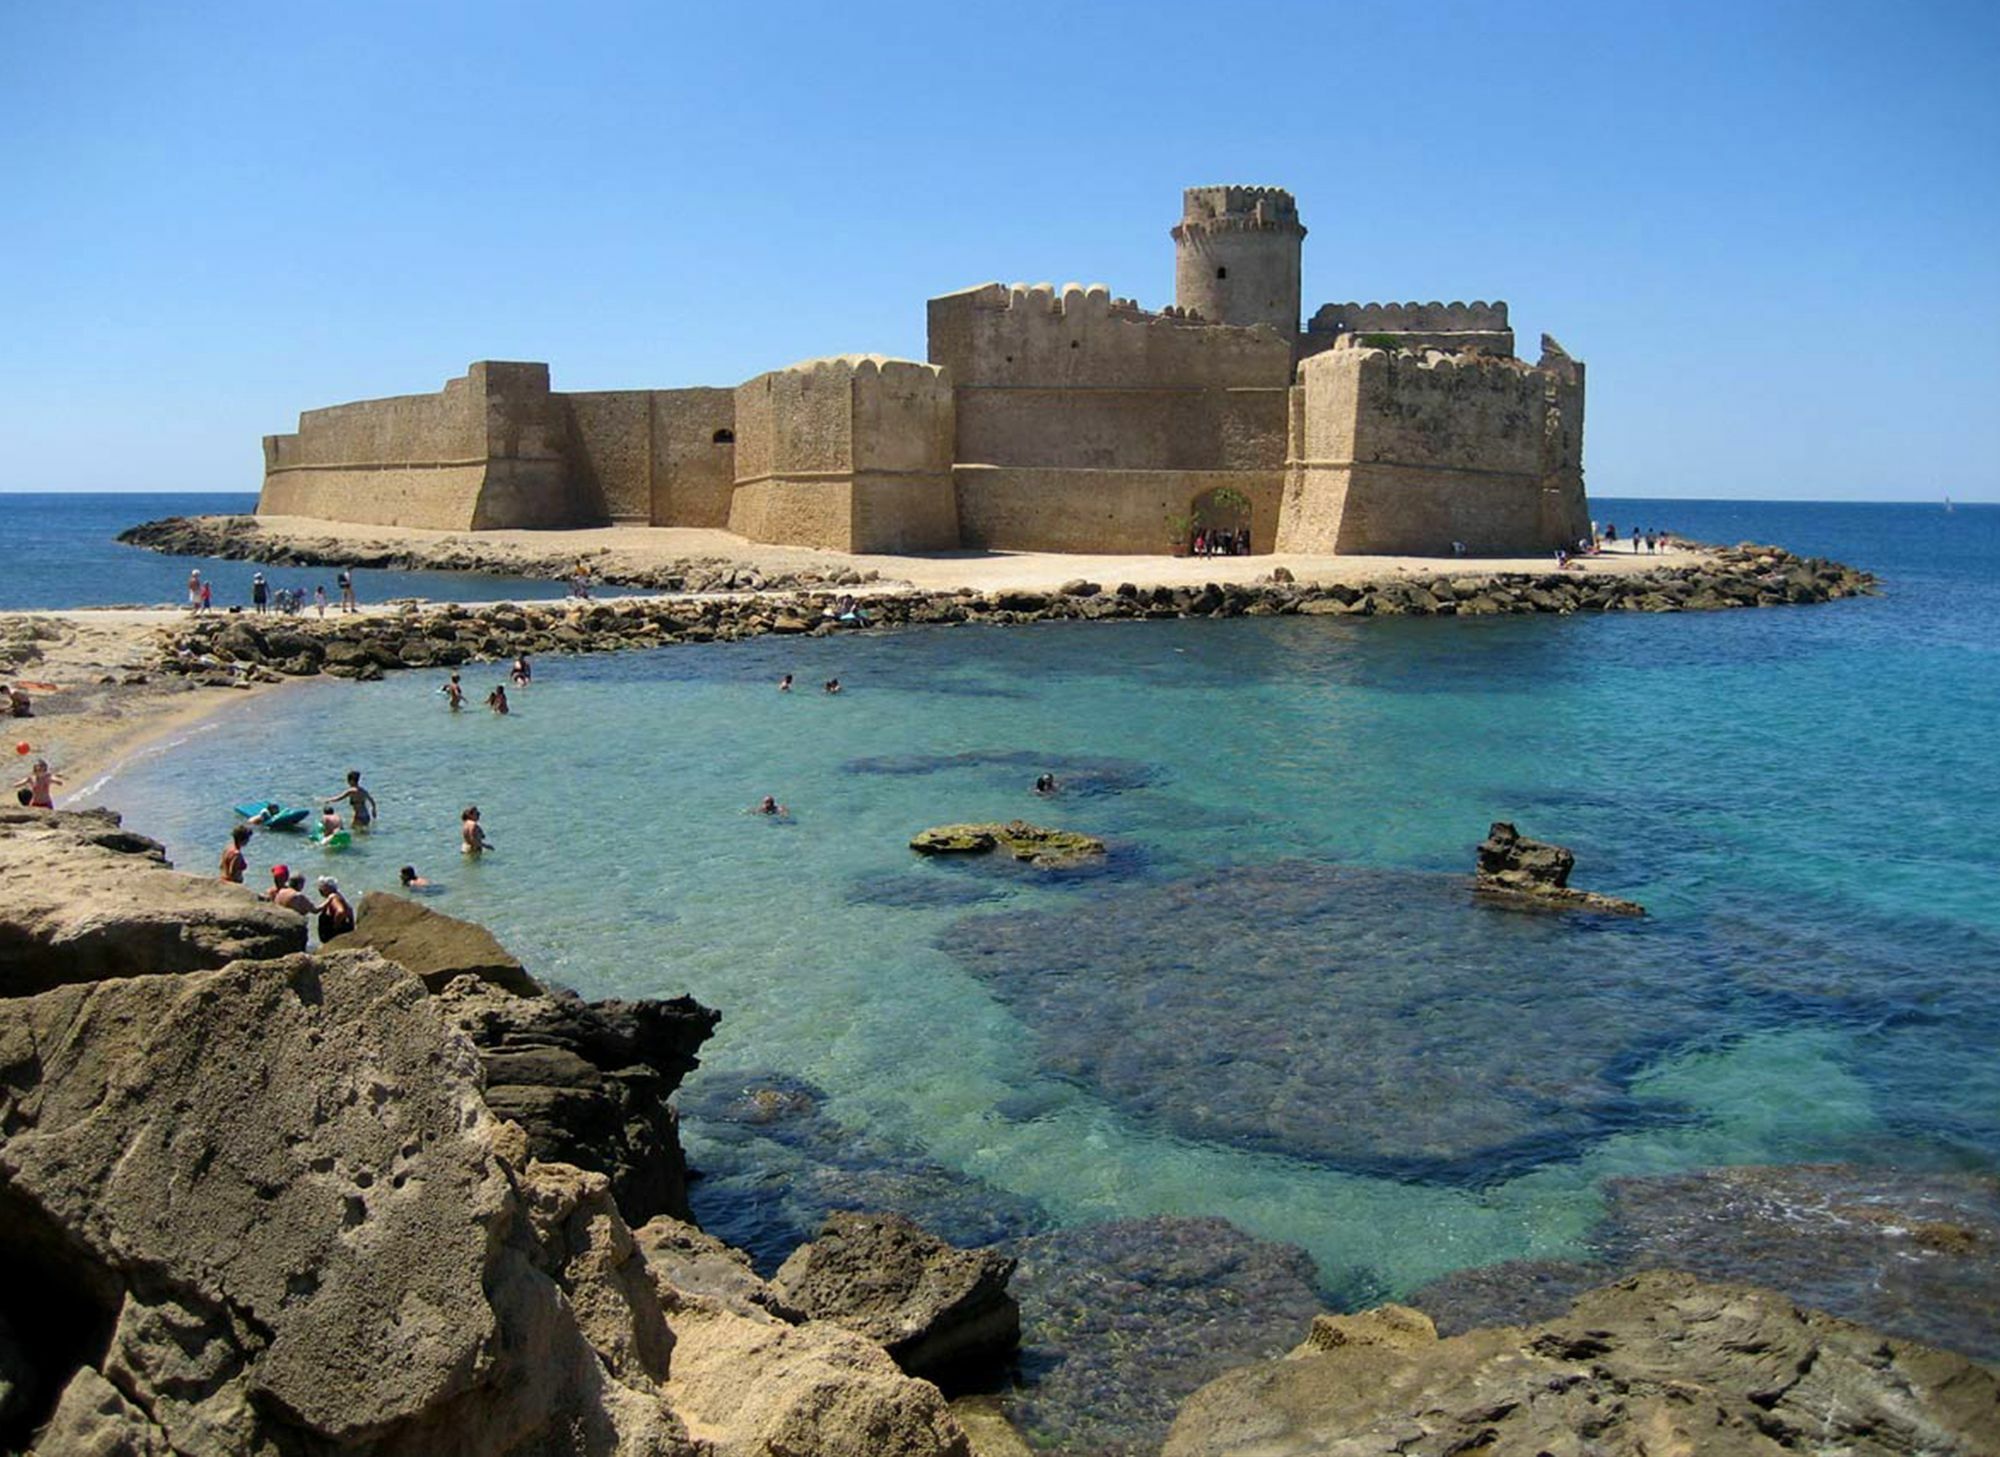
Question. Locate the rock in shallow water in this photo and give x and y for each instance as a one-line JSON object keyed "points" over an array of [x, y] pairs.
{"points": [[1038, 845], [943, 1313], [1659, 1363], [1381, 1021]]}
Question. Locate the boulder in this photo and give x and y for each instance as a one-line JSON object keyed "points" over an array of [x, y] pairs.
{"points": [[589, 1081], [700, 1265], [753, 1386], [434, 947], [264, 1208], [1047, 848], [1531, 872], [943, 1313], [82, 899], [1662, 1362]]}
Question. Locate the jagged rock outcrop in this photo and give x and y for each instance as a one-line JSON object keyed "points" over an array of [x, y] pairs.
{"points": [[1514, 868], [267, 1205], [701, 1266], [1048, 848], [753, 1385], [1662, 1362], [433, 946], [82, 898], [589, 1081], [943, 1313]]}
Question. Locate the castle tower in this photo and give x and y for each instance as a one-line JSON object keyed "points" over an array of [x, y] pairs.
{"points": [[1236, 256]]}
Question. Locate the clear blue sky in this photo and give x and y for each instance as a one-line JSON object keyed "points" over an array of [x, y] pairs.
{"points": [[1772, 230]]}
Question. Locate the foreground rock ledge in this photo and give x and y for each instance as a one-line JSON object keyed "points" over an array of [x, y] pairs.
{"points": [[1660, 1363]]}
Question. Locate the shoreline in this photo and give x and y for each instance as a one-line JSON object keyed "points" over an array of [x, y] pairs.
{"points": [[134, 676]]}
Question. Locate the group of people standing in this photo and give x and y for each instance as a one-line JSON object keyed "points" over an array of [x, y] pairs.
{"points": [[1221, 541], [334, 912], [289, 601]]}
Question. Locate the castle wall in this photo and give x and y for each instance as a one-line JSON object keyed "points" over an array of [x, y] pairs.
{"points": [[848, 454], [1403, 455], [653, 456], [487, 452], [1454, 328], [1114, 512], [1081, 381]]}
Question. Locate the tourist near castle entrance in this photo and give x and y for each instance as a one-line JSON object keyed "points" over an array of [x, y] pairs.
{"points": [[1044, 420]]}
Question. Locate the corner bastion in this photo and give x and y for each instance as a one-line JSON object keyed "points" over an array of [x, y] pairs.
{"points": [[1046, 419], [851, 453]]}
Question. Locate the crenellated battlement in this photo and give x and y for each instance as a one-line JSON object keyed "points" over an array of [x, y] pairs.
{"points": [[1394, 318], [885, 366], [1073, 301], [1235, 208]]}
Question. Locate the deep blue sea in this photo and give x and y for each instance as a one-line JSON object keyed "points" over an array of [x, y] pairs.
{"points": [[62, 552], [1275, 1002]]}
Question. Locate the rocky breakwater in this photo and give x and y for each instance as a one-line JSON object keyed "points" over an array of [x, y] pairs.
{"points": [[1662, 1362], [240, 538], [255, 1202], [224, 649]]}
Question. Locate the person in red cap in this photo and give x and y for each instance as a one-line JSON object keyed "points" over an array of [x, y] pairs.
{"points": [[279, 874]]}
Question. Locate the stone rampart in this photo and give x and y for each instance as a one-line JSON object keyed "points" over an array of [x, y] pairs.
{"points": [[1402, 454], [487, 452], [657, 457], [848, 454], [1028, 508], [1077, 380], [1392, 318]]}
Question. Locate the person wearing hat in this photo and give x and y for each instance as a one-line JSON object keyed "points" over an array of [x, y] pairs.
{"points": [[336, 916], [278, 875]]}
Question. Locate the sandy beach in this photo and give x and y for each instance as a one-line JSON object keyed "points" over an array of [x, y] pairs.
{"points": [[107, 706]]}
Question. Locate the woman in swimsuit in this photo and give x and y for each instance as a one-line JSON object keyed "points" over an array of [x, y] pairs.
{"points": [[471, 833], [360, 803], [336, 916], [234, 863]]}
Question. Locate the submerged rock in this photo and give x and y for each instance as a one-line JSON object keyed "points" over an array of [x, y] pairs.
{"points": [[1915, 1254], [1123, 1320], [1511, 866], [82, 898], [775, 1164], [1050, 849], [943, 1313], [1376, 1020], [1662, 1362]]}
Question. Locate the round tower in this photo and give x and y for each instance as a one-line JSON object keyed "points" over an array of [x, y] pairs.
{"points": [[1236, 256]]}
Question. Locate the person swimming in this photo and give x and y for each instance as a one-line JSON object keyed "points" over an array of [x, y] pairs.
{"points": [[497, 699], [1046, 784], [472, 834], [831, 685], [414, 883], [785, 684], [769, 805]]}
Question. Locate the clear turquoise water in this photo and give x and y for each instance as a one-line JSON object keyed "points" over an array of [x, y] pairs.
{"points": [[1218, 1023]]}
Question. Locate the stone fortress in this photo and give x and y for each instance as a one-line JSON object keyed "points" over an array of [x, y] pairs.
{"points": [[1045, 420]]}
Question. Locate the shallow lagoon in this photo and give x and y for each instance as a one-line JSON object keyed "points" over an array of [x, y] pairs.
{"points": [[1271, 1004]]}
